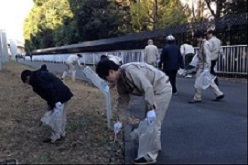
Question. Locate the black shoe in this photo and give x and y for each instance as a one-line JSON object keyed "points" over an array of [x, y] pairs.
{"points": [[47, 141], [143, 161], [194, 101], [218, 98], [51, 141]]}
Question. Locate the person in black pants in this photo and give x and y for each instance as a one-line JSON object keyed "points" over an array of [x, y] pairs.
{"points": [[171, 60]]}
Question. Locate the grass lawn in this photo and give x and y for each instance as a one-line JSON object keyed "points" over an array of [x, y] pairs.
{"points": [[87, 140]]}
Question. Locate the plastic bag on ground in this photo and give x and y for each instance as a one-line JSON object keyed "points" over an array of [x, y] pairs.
{"points": [[148, 137], [204, 80]]}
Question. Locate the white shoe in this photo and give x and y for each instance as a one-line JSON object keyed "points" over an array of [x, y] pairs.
{"points": [[188, 76]]}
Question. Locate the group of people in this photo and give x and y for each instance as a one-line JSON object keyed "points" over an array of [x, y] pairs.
{"points": [[136, 78], [174, 57]]}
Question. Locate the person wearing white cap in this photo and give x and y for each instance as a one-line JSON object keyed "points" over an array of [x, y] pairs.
{"points": [[171, 60]]}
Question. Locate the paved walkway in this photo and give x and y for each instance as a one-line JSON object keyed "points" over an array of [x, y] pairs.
{"points": [[205, 133]]}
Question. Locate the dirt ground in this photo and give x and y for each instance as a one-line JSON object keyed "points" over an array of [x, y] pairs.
{"points": [[88, 140]]}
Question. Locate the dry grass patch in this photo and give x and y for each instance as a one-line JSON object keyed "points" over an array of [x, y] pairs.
{"points": [[87, 140]]}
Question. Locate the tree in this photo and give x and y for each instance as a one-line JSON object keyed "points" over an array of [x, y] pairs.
{"points": [[44, 19], [157, 14], [97, 19], [226, 7]]}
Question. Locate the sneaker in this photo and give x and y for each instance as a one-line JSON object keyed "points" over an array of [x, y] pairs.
{"points": [[143, 161], [188, 76]]}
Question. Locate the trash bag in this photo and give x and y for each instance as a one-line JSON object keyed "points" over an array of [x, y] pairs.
{"points": [[194, 60], [148, 137], [204, 80], [53, 118]]}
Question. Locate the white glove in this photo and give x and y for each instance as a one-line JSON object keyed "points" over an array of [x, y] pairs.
{"points": [[58, 105], [181, 72], [117, 127], [151, 116]]}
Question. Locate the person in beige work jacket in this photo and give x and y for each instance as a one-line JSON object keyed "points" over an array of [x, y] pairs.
{"points": [[151, 53], [204, 63], [71, 63], [139, 79], [215, 51]]}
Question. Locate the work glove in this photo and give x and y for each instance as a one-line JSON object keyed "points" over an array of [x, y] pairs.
{"points": [[58, 105], [181, 72], [151, 116], [117, 127]]}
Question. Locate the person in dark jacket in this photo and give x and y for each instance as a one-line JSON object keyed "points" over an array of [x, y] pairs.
{"points": [[56, 93], [171, 60]]}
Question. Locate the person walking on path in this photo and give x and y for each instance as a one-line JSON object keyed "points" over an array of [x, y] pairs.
{"points": [[151, 53], [139, 78], [204, 64], [171, 60], [71, 63], [56, 93], [215, 51], [188, 52]]}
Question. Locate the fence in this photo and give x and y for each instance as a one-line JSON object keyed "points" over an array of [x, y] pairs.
{"points": [[234, 60]]}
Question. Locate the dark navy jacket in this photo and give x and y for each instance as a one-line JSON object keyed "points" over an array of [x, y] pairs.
{"points": [[49, 87], [171, 58]]}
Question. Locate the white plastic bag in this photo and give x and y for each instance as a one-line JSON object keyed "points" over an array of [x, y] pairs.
{"points": [[53, 118], [204, 80], [148, 137], [194, 61]]}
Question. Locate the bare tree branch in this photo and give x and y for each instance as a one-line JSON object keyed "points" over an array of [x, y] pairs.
{"points": [[209, 7]]}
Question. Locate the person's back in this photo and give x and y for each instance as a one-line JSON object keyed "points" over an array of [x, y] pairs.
{"points": [[171, 57], [187, 49], [151, 53], [215, 46], [72, 59], [156, 77], [49, 87], [171, 60]]}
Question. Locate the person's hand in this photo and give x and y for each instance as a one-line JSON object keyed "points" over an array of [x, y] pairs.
{"points": [[58, 105], [117, 127], [151, 116]]}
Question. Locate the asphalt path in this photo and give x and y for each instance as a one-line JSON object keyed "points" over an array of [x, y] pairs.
{"points": [[205, 133]]}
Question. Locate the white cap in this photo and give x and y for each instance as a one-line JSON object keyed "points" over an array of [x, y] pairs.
{"points": [[170, 37]]}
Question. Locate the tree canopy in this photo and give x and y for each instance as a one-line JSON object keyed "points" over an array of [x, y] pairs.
{"points": [[53, 23]]}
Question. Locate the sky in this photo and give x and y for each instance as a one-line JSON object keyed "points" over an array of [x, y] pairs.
{"points": [[12, 15]]}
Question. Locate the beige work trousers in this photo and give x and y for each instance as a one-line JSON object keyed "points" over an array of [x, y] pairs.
{"points": [[213, 86], [70, 68], [162, 102]]}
